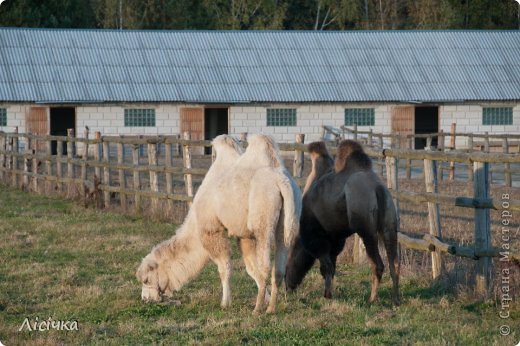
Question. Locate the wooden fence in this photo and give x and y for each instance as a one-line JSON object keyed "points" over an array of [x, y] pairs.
{"points": [[108, 170], [496, 143]]}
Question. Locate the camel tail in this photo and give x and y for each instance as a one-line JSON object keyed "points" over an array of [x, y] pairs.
{"points": [[292, 207], [381, 208]]}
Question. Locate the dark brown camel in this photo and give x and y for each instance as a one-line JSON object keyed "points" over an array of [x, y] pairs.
{"points": [[339, 201]]}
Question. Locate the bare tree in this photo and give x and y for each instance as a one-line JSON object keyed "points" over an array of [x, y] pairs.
{"points": [[330, 16]]}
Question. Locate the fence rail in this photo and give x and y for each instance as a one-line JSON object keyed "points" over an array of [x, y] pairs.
{"points": [[111, 171], [505, 146]]}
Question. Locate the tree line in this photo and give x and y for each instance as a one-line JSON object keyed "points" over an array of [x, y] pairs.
{"points": [[263, 14]]}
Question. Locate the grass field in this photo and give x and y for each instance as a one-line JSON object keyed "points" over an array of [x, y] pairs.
{"points": [[64, 262]]}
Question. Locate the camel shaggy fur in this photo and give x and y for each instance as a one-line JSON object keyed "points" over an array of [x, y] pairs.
{"points": [[251, 197]]}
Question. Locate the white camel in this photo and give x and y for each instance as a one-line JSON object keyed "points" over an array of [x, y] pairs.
{"points": [[251, 197]]}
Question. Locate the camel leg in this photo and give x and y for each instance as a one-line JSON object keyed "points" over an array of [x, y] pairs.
{"points": [[376, 263], [218, 247], [391, 246], [278, 271], [327, 268], [248, 250], [263, 248]]}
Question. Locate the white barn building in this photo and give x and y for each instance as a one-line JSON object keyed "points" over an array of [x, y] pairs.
{"points": [[276, 82]]}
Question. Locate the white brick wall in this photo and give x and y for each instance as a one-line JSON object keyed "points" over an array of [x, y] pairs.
{"points": [[310, 119], [15, 117], [469, 119], [253, 119], [109, 120]]}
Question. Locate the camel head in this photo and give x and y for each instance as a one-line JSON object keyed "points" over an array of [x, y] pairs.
{"points": [[155, 282], [171, 264]]}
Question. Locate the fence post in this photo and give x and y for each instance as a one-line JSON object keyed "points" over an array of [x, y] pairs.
{"points": [[486, 142], [169, 176], [440, 146], [84, 164], [482, 228], [106, 172], [26, 164], [359, 252], [59, 170], [14, 151], [487, 150], [188, 179], [507, 166], [154, 182], [429, 141], [440, 140], [470, 144], [121, 172], [392, 181], [354, 133], [370, 135], [2, 156], [409, 161], [35, 166], [381, 166], [243, 139], [453, 145], [430, 179], [298, 157], [48, 168], [98, 157], [470, 164], [8, 152], [136, 177], [98, 153], [70, 165]]}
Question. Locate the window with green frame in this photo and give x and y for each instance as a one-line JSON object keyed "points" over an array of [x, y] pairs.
{"points": [[359, 116], [3, 117], [139, 117], [497, 116], [281, 117]]}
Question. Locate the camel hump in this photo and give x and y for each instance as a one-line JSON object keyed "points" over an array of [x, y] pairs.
{"points": [[351, 155], [263, 150]]}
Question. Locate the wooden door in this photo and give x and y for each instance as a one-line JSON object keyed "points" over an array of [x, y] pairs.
{"points": [[192, 120], [36, 123], [403, 124]]}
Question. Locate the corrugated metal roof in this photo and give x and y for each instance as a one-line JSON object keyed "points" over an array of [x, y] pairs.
{"points": [[66, 65]]}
